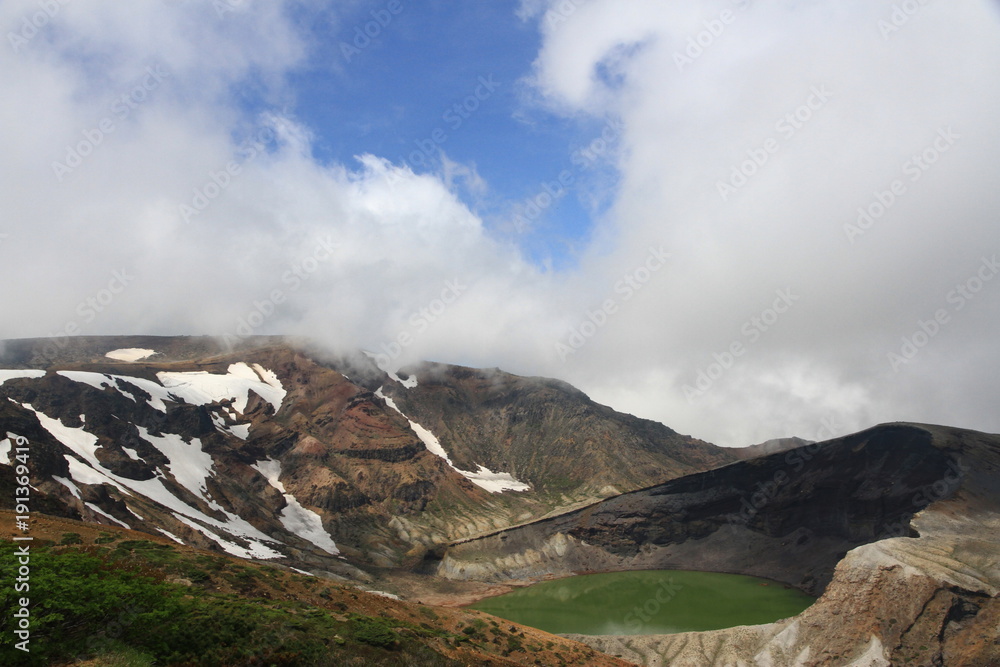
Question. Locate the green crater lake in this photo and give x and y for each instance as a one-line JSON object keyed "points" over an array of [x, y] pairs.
{"points": [[647, 602]]}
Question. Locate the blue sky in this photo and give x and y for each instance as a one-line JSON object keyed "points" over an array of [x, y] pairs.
{"points": [[636, 286], [389, 99]]}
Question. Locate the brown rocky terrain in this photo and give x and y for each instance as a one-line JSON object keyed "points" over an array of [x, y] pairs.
{"points": [[344, 453], [481, 639], [445, 484], [895, 527]]}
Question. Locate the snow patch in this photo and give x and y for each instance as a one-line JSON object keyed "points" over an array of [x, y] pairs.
{"points": [[132, 454], [5, 449], [98, 510], [409, 383], [256, 549], [190, 465], [494, 482], [383, 594], [130, 354], [271, 378], [83, 444], [241, 431], [99, 381], [294, 517], [171, 536], [96, 380], [157, 394], [204, 388], [308, 574], [73, 488], [84, 474], [14, 375]]}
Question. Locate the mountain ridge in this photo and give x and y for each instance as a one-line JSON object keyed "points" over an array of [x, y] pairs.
{"points": [[894, 527], [445, 483], [331, 434]]}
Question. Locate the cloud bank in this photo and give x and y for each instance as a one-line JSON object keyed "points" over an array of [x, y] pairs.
{"points": [[803, 235]]}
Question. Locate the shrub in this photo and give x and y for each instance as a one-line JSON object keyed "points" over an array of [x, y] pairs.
{"points": [[373, 632]]}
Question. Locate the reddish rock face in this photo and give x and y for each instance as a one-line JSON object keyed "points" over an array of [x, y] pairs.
{"points": [[343, 453]]}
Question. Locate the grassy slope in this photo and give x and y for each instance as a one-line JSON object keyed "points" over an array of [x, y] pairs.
{"points": [[107, 596]]}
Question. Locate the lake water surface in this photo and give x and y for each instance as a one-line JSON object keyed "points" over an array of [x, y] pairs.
{"points": [[647, 602]]}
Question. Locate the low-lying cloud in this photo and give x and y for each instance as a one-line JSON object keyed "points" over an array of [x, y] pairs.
{"points": [[816, 187]]}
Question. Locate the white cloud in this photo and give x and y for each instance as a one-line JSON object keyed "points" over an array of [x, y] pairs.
{"points": [[691, 120], [361, 254]]}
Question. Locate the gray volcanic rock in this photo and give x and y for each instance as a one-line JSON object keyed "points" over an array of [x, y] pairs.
{"points": [[898, 527]]}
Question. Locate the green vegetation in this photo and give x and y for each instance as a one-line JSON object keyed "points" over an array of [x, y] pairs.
{"points": [[117, 603], [375, 632]]}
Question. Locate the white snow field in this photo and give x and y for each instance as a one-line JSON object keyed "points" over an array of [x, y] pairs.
{"points": [[131, 354], [294, 517]]}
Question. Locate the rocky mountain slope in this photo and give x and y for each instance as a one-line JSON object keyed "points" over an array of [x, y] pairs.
{"points": [[275, 450], [445, 483], [896, 527], [103, 595]]}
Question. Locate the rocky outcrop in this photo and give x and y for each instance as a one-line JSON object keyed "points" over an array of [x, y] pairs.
{"points": [[548, 434], [931, 600], [788, 516], [897, 527], [342, 446]]}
